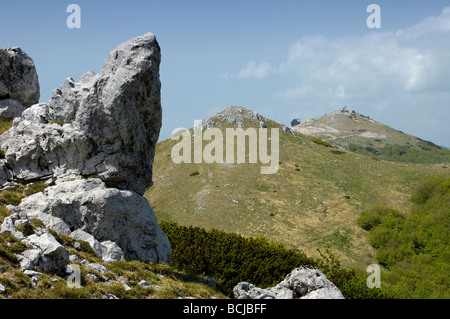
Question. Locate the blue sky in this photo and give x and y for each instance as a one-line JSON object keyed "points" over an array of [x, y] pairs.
{"points": [[284, 59]]}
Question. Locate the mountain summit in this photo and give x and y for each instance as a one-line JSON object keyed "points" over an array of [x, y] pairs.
{"points": [[353, 131]]}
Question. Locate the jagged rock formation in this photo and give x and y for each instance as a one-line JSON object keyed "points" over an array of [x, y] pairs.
{"points": [[301, 283], [94, 144], [107, 125]]}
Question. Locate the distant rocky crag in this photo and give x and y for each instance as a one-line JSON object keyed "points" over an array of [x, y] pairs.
{"points": [[94, 145]]}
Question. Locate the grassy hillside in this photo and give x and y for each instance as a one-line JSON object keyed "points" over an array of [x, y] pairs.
{"points": [[312, 201], [361, 134]]}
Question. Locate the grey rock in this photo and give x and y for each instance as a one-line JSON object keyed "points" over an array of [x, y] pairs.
{"points": [[6, 175], [74, 258], [295, 122], [301, 283], [111, 252], [2, 289], [97, 267], [286, 129], [18, 77], [53, 256], [29, 259], [126, 96], [87, 206], [234, 115], [306, 281], [10, 108], [32, 273], [245, 290], [93, 277], [110, 123], [8, 226], [107, 250], [37, 113]]}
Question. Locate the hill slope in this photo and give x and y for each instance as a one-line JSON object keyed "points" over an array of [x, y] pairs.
{"points": [[312, 201], [359, 133]]}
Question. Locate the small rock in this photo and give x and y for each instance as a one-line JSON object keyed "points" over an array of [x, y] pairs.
{"points": [[32, 273], [93, 277], [74, 258], [100, 268], [2, 289], [127, 288]]}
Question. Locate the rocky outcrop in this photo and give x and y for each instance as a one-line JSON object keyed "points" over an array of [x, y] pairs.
{"points": [[233, 115], [106, 125], [301, 283], [19, 79], [295, 122], [88, 210], [94, 144]]}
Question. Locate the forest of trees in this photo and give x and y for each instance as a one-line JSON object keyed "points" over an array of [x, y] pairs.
{"points": [[414, 247]]}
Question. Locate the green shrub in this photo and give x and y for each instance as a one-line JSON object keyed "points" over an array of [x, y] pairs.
{"points": [[338, 152], [426, 189], [262, 188], [373, 217], [414, 246], [320, 142], [195, 173]]}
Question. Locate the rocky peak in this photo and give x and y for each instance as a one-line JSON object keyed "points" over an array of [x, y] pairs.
{"points": [[233, 115], [94, 144], [106, 125]]}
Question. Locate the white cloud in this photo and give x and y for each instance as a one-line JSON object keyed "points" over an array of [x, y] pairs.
{"points": [[400, 72], [260, 71]]}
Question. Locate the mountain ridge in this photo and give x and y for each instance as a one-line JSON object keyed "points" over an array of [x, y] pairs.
{"points": [[353, 131]]}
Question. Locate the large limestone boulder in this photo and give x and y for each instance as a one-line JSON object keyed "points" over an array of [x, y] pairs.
{"points": [[301, 283], [106, 125], [107, 218], [94, 143], [18, 77]]}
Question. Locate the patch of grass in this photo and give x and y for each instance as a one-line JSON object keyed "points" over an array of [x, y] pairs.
{"points": [[262, 188], [35, 188], [11, 197], [58, 121], [320, 142], [5, 125]]}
